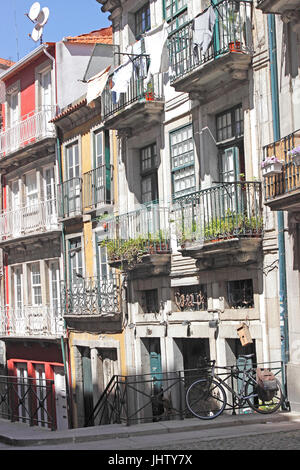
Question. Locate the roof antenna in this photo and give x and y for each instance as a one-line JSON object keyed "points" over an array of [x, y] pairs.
{"points": [[16, 28], [39, 17]]}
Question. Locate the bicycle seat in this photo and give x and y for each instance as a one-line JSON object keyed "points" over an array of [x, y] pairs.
{"points": [[247, 356]]}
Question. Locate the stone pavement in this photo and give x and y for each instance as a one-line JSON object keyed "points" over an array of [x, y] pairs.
{"points": [[22, 435]]}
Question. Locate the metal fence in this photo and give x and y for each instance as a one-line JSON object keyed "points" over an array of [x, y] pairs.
{"points": [[233, 28], [28, 130], [144, 398], [37, 217], [139, 89], [223, 211], [98, 187], [28, 400], [92, 296]]}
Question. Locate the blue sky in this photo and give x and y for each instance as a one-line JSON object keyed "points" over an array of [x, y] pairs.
{"points": [[67, 18]]}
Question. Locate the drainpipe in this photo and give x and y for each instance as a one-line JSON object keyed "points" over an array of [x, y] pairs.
{"points": [[284, 333]]}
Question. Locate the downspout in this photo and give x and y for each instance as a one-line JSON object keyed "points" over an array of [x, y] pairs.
{"points": [[284, 333]]}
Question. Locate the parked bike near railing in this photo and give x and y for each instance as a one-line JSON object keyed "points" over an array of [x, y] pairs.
{"points": [[206, 397]]}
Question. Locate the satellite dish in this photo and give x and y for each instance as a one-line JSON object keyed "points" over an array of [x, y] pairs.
{"points": [[43, 16], [34, 11], [36, 32], [39, 17]]}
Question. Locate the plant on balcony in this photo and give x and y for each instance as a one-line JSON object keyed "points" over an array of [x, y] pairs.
{"points": [[271, 166], [149, 94], [130, 252], [294, 154], [233, 26]]}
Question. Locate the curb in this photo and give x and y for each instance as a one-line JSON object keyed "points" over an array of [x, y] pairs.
{"points": [[100, 433]]}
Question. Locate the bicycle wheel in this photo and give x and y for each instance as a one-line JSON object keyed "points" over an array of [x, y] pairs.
{"points": [[260, 403], [206, 399]]}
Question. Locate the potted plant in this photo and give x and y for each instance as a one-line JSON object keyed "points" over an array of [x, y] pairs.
{"points": [[294, 154], [271, 166], [234, 27], [149, 95]]}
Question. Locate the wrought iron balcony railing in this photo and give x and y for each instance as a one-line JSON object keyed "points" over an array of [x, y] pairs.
{"points": [[92, 296], [227, 210], [288, 180], [98, 187], [28, 321], [29, 129], [35, 218], [137, 91], [143, 231], [69, 200], [232, 32]]}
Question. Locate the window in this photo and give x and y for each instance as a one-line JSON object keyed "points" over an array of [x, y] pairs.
{"points": [[230, 124], [72, 192], [105, 271], [36, 284], [240, 294], [175, 12], [191, 297], [18, 287], [150, 301], [149, 184], [142, 21], [54, 280], [31, 189], [98, 149], [72, 160], [75, 259], [182, 161]]}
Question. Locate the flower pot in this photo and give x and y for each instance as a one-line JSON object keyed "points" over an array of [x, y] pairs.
{"points": [[149, 96], [235, 46], [271, 169]]}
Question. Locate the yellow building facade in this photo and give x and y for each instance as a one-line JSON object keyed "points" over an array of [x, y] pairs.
{"points": [[92, 297]]}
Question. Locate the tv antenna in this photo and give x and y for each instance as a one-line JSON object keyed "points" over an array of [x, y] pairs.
{"points": [[39, 16]]}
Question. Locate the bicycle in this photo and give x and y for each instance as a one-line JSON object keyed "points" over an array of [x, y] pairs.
{"points": [[206, 397]]}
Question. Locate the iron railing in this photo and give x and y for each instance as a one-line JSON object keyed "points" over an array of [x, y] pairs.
{"points": [[138, 89], [94, 296], [31, 320], [28, 400], [69, 198], [98, 187], [144, 230], [232, 32], [223, 211], [29, 129], [147, 398], [36, 217], [289, 178]]}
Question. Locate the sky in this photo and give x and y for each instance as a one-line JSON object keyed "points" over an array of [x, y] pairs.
{"points": [[67, 18]]}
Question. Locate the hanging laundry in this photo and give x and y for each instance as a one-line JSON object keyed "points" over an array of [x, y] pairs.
{"points": [[96, 84], [139, 61], [121, 78], [203, 31], [156, 47]]}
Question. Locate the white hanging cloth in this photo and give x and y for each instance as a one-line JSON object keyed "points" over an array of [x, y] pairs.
{"points": [[96, 84], [203, 30], [156, 47]]}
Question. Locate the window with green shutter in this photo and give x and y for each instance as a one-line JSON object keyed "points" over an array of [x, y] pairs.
{"points": [[182, 161]]}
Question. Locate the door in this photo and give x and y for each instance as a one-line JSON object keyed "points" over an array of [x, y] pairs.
{"points": [[72, 187], [17, 320], [14, 117], [88, 402], [36, 316], [14, 218], [230, 173], [156, 376], [76, 303], [49, 198], [61, 407], [41, 395], [46, 100], [32, 215], [54, 289], [22, 392]]}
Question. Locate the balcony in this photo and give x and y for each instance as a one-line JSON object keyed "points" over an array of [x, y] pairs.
{"points": [[92, 300], [98, 189], [69, 199], [226, 61], [31, 321], [139, 241], [280, 7], [282, 189], [222, 225], [28, 132], [141, 105], [34, 219]]}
